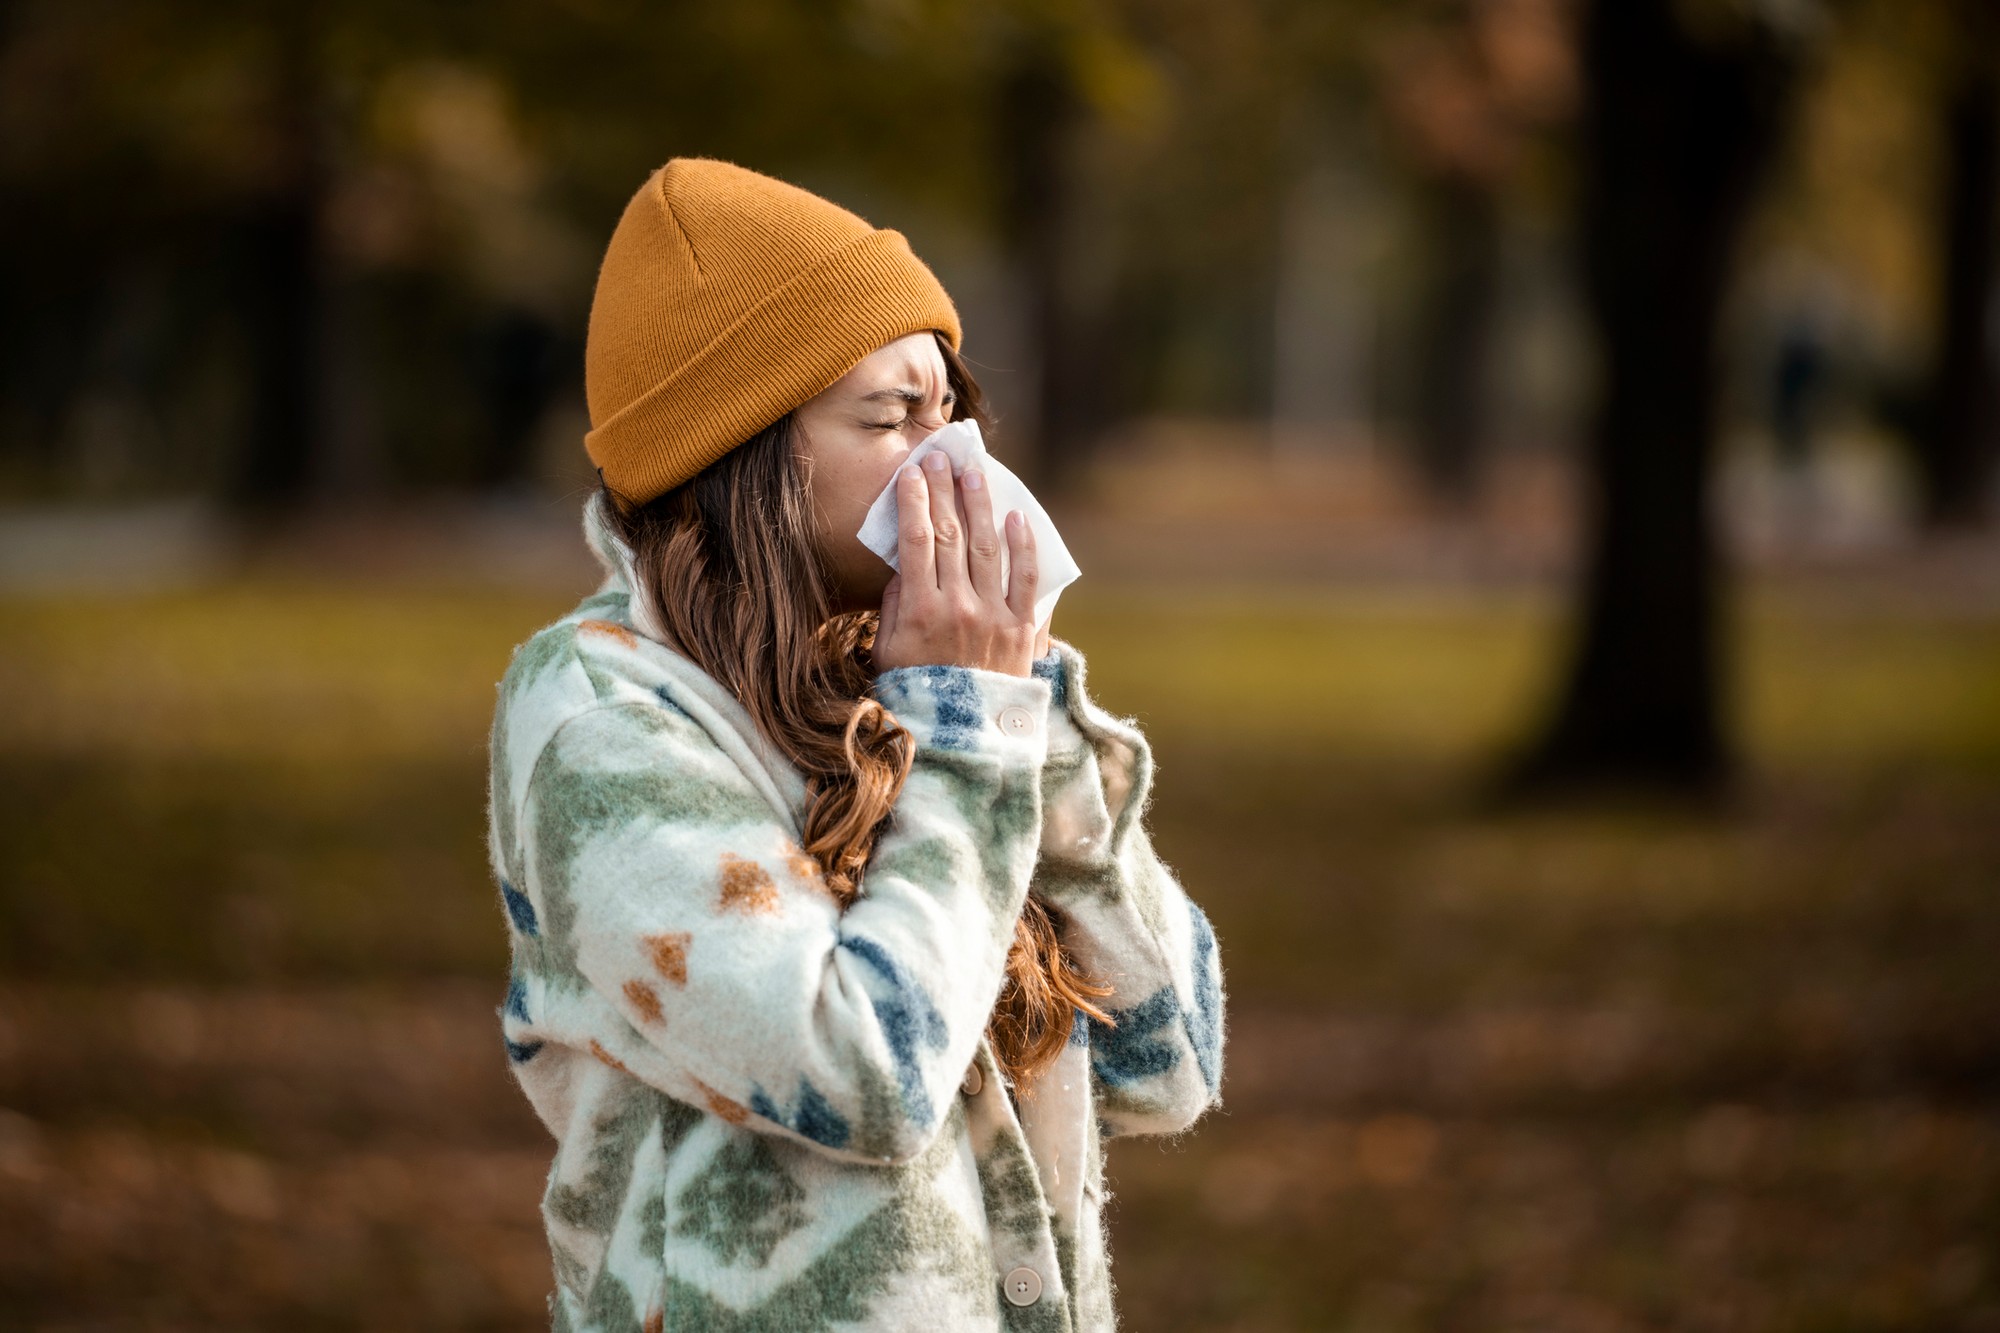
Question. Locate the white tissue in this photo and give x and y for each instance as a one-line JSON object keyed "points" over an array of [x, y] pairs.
{"points": [[963, 444]]}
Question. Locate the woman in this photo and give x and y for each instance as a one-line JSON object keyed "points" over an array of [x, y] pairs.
{"points": [[839, 944]]}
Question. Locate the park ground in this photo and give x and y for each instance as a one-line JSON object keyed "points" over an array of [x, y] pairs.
{"points": [[1626, 1068]]}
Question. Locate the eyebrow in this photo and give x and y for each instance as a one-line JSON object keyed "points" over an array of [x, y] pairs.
{"points": [[913, 397]]}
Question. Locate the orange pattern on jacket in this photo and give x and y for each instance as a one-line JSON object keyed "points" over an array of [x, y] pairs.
{"points": [[747, 886], [669, 954]]}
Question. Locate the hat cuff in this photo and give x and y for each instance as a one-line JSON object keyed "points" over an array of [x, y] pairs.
{"points": [[806, 335]]}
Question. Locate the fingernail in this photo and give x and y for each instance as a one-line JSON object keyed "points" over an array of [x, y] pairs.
{"points": [[910, 470], [972, 481], [936, 461]]}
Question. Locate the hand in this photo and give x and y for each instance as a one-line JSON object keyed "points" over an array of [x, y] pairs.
{"points": [[946, 604]]}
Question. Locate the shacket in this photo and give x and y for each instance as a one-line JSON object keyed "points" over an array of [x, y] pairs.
{"points": [[776, 1113]]}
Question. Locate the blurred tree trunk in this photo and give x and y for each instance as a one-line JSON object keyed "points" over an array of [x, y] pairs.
{"points": [[517, 356], [1038, 110], [1457, 336], [52, 298], [1958, 454], [281, 299], [1675, 135]]}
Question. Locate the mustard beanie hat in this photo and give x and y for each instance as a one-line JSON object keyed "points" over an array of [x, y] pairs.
{"points": [[725, 300]]}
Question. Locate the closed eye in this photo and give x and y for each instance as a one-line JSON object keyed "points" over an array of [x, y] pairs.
{"points": [[913, 399]]}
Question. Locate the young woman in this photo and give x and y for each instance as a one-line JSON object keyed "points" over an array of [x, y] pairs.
{"points": [[840, 946]]}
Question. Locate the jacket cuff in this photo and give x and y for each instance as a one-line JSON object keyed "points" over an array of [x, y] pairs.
{"points": [[1124, 759], [961, 708], [1066, 734]]}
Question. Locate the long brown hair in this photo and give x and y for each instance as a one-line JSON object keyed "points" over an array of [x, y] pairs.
{"points": [[729, 561]]}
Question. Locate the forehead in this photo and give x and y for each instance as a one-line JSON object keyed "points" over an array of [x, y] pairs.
{"points": [[912, 362]]}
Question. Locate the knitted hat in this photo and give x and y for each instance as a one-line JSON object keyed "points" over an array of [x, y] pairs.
{"points": [[725, 300]]}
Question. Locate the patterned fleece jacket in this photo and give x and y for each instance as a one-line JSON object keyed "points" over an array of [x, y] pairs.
{"points": [[774, 1114]]}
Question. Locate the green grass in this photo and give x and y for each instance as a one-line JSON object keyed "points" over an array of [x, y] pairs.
{"points": [[295, 778], [1451, 677], [325, 671]]}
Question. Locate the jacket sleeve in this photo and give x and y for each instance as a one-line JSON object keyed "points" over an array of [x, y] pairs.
{"points": [[710, 960], [1125, 918]]}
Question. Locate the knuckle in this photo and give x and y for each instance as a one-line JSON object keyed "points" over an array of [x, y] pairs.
{"points": [[918, 533], [986, 548], [947, 534]]}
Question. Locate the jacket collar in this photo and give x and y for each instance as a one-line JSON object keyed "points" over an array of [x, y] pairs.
{"points": [[620, 571]]}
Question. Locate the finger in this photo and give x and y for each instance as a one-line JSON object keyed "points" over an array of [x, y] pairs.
{"points": [[1025, 578], [913, 529], [982, 550], [947, 523]]}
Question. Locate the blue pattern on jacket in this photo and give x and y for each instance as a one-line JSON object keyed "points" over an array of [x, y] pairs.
{"points": [[519, 910], [908, 1016], [816, 1118], [1133, 1050]]}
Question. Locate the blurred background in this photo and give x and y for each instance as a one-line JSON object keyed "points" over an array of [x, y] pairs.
{"points": [[1534, 467]]}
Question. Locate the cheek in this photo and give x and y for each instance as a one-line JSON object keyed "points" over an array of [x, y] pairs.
{"points": [[865, 478], [881, 474], [847, 478]]}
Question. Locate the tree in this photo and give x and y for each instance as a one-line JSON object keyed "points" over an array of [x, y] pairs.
{"points": [[1959, 447], [281, 286], [1678, 127]]}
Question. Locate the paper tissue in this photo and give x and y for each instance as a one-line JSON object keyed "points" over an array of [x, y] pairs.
{"points": [[963, 444]]}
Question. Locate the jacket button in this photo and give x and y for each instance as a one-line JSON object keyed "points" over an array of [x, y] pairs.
{"points": [[1017, 721], [974, 1081], [1023, 1286]]}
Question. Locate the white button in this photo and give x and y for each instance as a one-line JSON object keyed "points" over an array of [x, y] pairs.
{"points": [[1017, 721], [1024, 1286], [974, 1081]]}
